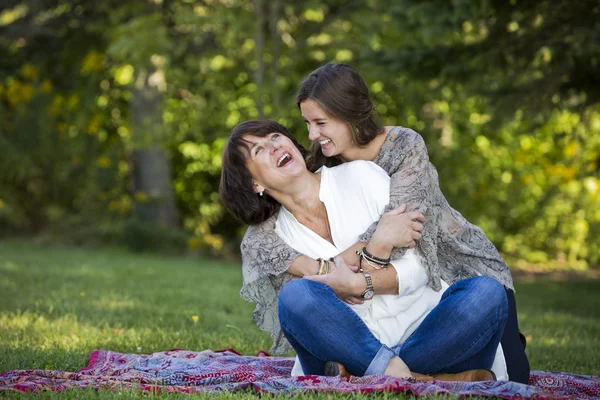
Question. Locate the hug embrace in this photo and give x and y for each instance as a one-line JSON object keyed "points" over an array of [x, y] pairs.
{"points": [[353, 256]]}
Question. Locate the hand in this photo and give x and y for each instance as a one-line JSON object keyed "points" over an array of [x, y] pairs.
{"points": [[345, 282], [352, 300], [397, 228]]}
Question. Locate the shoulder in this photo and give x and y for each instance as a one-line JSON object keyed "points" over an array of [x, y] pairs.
{"points": [[256, 234], [354, 171], [400, 138], [403, 148], [363, 178]]}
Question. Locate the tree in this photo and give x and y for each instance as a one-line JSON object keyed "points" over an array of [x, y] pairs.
{"points": [[99, 99]]}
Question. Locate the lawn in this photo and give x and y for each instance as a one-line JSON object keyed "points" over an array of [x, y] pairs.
{"points": [[58, 304]]}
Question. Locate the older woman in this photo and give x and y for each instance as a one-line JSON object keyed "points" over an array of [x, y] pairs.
{"points": [[403, 327], [340, 116]]}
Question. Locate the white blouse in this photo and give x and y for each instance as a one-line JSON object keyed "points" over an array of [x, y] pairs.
{"points": [[355, 195]]}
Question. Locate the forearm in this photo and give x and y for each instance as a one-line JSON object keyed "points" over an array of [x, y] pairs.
{"points": [[379, 248], [385, 281], [347, 283], [376, 247], [349, 255], [304, 266]]}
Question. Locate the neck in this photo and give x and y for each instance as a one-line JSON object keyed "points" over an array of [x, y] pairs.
{"points": [[301, 195], [368, 152]]}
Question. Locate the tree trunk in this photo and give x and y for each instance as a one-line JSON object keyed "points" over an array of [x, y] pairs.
{"points": [[259, 49], [152, 178], [276, 6]]}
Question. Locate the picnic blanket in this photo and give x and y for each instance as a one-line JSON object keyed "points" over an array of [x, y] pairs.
{"points": [[184, 371]]}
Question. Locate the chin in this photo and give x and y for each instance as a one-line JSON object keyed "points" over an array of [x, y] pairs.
{"points": [[295, 169], [327, 152]]}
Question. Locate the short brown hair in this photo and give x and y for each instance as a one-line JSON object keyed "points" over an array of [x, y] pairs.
{"points": [[343, 94], [236, 189]]}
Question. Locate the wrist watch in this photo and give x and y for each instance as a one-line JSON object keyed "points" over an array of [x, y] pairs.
{"points": [[369, 291]]}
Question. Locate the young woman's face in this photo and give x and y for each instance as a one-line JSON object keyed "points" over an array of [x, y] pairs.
{"points": [[333, 134], [273, 160]]}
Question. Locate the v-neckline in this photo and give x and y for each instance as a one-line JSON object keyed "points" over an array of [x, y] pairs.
{"points": [[324, 176]]}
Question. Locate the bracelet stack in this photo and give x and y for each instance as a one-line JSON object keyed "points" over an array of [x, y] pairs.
{"points": [[373, 261], [324, 266]]}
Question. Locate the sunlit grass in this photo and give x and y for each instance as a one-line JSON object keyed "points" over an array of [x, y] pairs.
{"points": [[562, 321], [59, 304]]}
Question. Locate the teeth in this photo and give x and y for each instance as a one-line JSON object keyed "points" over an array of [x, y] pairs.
{"points": [[282, 159], [324, 142]]}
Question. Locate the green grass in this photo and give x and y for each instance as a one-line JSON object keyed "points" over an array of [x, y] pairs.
{"points": [[59, 304], [562, 322]]}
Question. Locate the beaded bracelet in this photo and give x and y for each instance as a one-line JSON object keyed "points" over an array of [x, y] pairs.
{"points": [[362, 257], [375, 264], [377, 260]]}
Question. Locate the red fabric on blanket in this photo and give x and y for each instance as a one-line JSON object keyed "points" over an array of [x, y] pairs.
{"points": [[226, 370]]}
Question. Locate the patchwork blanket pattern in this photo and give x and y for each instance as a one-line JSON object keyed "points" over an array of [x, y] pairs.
{"points": [[227, 370]]}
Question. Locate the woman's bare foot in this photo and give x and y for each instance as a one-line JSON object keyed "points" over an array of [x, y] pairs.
{"points": [[397, 368]]}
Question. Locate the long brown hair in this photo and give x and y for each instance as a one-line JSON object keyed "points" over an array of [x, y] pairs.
{"points": [[236, 188], [343, 94]]}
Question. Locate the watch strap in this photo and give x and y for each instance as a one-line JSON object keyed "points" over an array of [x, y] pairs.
{"points": [[369, 285]]}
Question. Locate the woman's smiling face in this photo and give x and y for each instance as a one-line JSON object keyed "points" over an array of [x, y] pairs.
{"points": [[272, 161], [333, 134]]}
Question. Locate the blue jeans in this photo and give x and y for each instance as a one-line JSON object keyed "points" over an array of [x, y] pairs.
{"points": [[462, 332]]}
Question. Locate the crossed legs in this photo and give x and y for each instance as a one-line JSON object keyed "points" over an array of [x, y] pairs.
{"points": [[462, 332]]}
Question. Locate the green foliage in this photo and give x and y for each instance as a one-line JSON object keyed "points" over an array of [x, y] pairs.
{"points": [[505, 94]]}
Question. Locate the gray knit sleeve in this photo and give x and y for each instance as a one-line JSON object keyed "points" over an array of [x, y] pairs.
{"points": [[413, 181], [266, 259]]}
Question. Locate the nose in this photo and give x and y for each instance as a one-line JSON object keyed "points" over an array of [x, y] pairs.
{"points": [[274, 145]]}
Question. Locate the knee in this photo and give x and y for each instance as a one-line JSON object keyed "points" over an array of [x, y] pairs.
{"points": [[482, 298], [297, 298], [490, 295]]}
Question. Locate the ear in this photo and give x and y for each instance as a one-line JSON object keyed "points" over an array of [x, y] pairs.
{"points": [[258, 188]]}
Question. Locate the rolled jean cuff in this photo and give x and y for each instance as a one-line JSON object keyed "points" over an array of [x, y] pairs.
{"points": [[380, 361]]}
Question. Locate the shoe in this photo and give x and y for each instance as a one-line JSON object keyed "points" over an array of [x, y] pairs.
{"points": [[333, 368], [473, 375]]}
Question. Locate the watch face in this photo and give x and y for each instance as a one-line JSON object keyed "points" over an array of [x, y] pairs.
{"points": [[368, 294]]}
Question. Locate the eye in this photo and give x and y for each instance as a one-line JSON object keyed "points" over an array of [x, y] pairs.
{"points": [[275, 136], [320, 123], [258, 149]]}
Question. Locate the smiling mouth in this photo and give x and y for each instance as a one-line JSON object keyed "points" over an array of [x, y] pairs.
{"points": [[283, 160], [324, 142]]}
